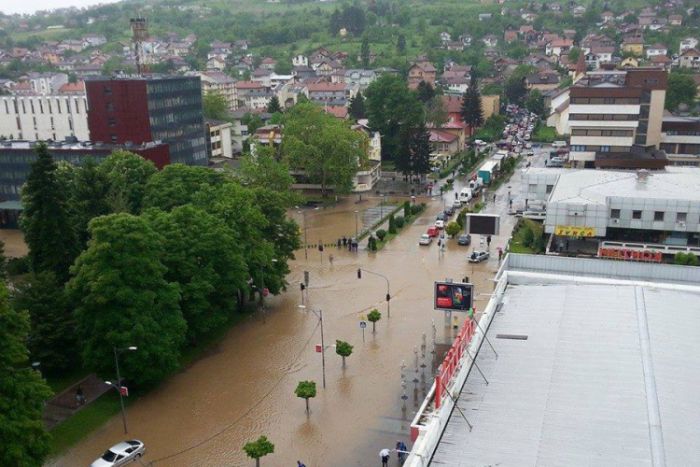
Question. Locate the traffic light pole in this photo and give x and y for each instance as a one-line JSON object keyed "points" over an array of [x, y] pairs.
{"points": [[119, 387], [388, 288]]}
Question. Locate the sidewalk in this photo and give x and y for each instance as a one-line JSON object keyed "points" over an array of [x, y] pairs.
{"points": [[64, 405]]}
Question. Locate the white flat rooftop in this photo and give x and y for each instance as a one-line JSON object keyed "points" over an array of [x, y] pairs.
{"points": [[596, 186], [609, 375]]}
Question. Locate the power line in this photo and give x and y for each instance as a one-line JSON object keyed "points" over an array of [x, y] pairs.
{"points": [[245, 414]]}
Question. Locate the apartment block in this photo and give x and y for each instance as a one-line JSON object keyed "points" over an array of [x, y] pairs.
{"points": [[44, 117], [615, 119]]}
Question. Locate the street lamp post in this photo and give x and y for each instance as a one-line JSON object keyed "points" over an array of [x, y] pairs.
{"points": [[356, 229], [388, 288], [319, 315], [118, 385]]}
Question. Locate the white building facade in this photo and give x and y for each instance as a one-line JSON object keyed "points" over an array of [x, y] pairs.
{"points": [[39, 118]]}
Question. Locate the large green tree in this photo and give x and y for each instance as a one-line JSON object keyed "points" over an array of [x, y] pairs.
{"points": [[205, 258], [215, 106], [681, 90], [419, 150], [265, 171], [356, 109], [122, 298], [23, 439], [535, 102], [393, 111], [472, 112], [364, 52], [326, 149], [177, 184], [45, 219], [514, 88], [274, 105], [127, 175], [88, 198], [52, 337]]}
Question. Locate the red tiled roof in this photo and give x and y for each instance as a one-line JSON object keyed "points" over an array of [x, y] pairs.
{"points": [[338, 111], [439, 136], [453, 104], [325, 87], [660, 59], [248, 85], [78, 86]]}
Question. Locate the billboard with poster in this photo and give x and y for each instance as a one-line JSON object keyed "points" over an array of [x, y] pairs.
{"points": [[483, 224], [453, 296]]}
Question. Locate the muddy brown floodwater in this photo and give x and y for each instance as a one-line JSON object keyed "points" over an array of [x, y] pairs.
{"points": [[245, 387]]}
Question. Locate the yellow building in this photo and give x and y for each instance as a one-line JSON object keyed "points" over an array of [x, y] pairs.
{"points": [[490, 105]]}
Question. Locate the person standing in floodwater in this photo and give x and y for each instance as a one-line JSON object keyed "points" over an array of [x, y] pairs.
{"points": [[384, 456]]}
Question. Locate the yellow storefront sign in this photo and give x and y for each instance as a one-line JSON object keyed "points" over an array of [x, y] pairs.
{"points": [[574, 231]]}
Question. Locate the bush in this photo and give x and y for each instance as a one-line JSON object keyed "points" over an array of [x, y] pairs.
{"points": [[686, 259], [417, 208], [399, 221], [392, 225], [372, 243], [528, 236], [381, 234], [17, 266], [406, 209]]}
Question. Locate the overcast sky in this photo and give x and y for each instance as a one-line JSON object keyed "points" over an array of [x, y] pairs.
{"points": [[30, 6]]}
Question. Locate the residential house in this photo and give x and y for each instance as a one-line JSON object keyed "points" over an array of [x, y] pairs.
{"points": [[604, 54], [690, 59], [338, 111], [607, 17], [629, 62], [216, 63], [485, 16], [219, 138], [646, 17], [633, 45], [510, 35], [455, 45], [490, 40], [252, 95], [443, 145], [661, 61], [558, 46], [465, 39], [421, 70], [368, 175], [46, 83], [543, 81], [578, 11], [268, 63], [326, 93], [303, 72], [219, 83], [529, 17], [93, 40], [300, 60], [687, 43], [656, 49], [675, 20], [362, 78], [445, 37]]}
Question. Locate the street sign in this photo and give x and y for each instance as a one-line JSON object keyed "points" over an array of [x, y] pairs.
{"points": [[363, 324], [124, 391], [319, 349], [306, 278]]}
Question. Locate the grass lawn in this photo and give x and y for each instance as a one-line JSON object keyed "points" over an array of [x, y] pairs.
{"points": [[545, 134], [82, 423], [517, 243], [59, 383]]}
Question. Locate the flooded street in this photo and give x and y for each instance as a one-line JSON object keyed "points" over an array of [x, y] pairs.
{"points": [[244, 388]]}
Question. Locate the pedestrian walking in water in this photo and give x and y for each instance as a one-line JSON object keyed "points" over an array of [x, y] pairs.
{"points": [[300, 464], [338, 244], [488, 242], [384, 456], [500, 253], [494, 198], [401, 451]]}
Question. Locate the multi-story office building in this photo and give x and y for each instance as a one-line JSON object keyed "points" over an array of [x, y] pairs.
{"points": [[44, 117], [615, 118], [16, 158], [680, 139], [140, 110], [220, 83]]}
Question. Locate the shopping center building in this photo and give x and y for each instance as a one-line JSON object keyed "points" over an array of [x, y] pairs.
{"points": [[575, 362], [642, 215]]}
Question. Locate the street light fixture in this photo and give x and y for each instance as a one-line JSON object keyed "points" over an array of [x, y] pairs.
{"points": [[388, 287], [319, 315], [118, 385]]}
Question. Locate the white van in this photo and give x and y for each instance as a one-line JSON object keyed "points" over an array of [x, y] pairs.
{"points": [[559, 144], [465, 195]]}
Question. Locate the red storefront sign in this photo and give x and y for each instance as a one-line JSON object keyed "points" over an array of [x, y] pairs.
{"points": [[630, 255]]}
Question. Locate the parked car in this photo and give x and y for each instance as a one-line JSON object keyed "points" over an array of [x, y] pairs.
{"points": [[464, 239], [121, 454], [433, 232], [478, 256], [425, 239], [449, 212], [440, 224], [441, 216], [457, 204], [554, 162]]}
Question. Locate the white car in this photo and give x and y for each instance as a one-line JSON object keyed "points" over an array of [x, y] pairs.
{"points": [[121, 454], [440, 224], [425, 239]]}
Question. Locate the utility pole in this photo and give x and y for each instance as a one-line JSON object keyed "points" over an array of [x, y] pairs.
{"points": [[118, 386]]}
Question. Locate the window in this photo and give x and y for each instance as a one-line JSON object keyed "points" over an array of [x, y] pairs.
{"points": [[114, 138], [636, 214], [111, 121], [550, 188], [108, 90], [681, 216], [658, 216], [614, 213], [110, 107], [578, 148], [532, 187], [605, 149]]}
